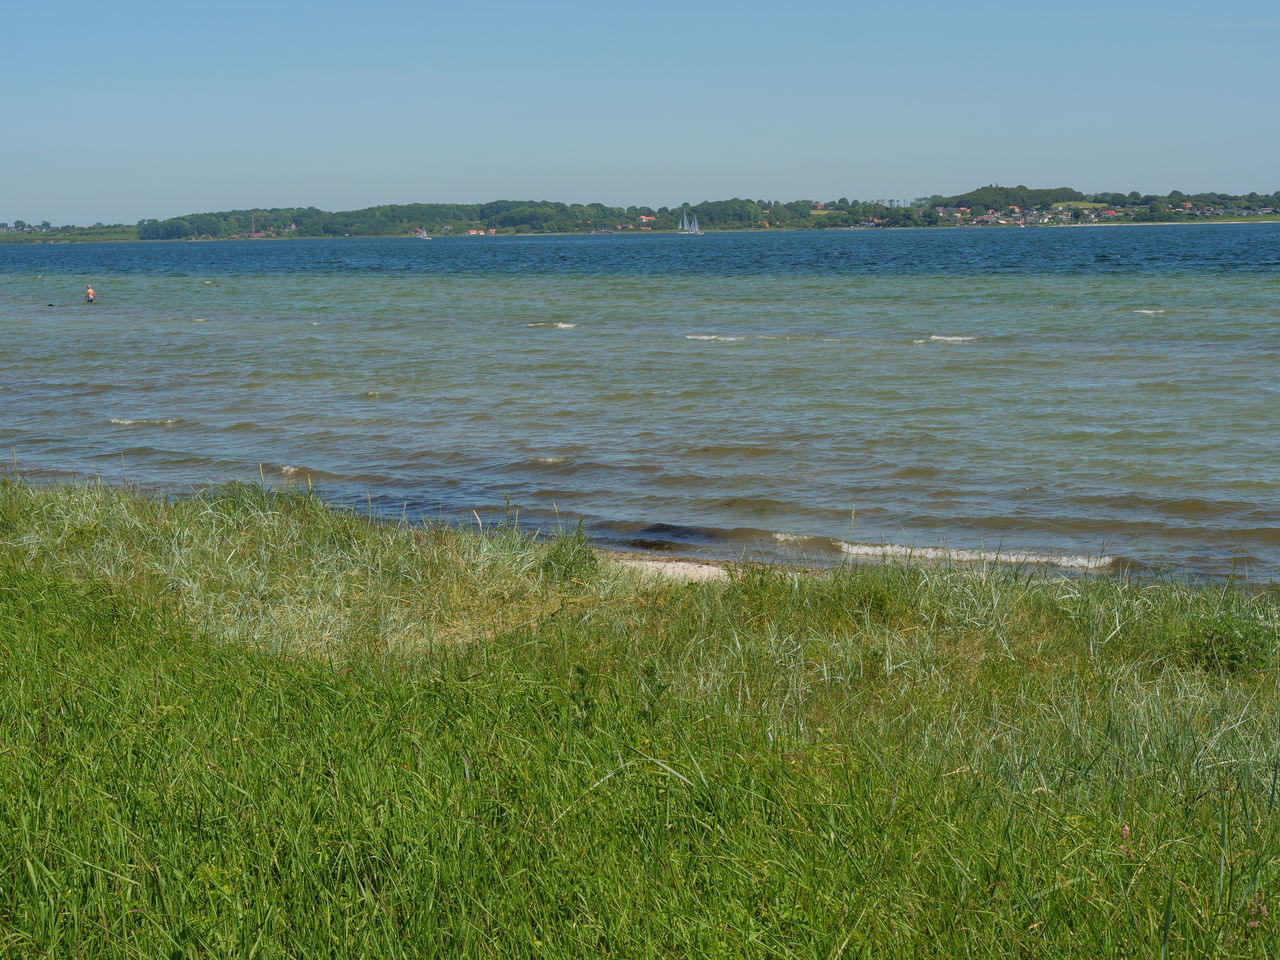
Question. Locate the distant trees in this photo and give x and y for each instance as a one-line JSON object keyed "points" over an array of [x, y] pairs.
{"points": [[733, 212], [1001, 198], [912, 217], [546, 216]]}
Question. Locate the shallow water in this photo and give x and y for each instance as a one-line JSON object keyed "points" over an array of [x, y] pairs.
{"points": [[1098, 397]]}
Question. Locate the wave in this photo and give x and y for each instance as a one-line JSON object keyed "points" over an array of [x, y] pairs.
{"points": [[1148, 311], [894, 551], [144, 422], [713, 336], [558, 324], [662, 536], [793, 537], [936, 338], [801, 338]]}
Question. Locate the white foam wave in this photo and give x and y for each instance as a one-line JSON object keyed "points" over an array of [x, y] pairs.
{"points": [[565, 326], [939, 339], [894, 551], [712, 336], [199, 319], [1148, 311], [127, 422], [373, 393], [548, 460], [919, 341], [791, 537], [288, 470]]}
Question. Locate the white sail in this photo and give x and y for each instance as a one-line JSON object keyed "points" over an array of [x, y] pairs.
{"points": [[687, 225]]}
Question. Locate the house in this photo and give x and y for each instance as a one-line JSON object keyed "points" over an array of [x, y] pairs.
{"points": [[644, 219]]}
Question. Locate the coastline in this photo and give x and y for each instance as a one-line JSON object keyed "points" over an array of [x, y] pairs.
{"points": [[29, 239], [680, 561]]}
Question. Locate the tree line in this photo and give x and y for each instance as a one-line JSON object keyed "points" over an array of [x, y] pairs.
{"points": [[545, 216]]}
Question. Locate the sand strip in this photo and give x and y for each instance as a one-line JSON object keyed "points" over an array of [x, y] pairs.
{"points": [[667, 568]]}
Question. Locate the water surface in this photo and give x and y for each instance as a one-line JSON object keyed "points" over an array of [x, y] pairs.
{"points": [[1091, 396]]}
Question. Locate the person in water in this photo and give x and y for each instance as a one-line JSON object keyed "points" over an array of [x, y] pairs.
{"points": [[89, 295]]}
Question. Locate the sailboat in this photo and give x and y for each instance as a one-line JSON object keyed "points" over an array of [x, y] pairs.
{"points": [[686, 226]]}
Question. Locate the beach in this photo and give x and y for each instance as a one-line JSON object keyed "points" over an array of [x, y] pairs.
{"points": [[668, 568]]}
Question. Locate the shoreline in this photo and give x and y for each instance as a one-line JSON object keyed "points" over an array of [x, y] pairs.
{"points": [[28, 239], [716, 560]]}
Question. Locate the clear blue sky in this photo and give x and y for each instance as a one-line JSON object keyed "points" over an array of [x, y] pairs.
{"points": [[117, 111]]}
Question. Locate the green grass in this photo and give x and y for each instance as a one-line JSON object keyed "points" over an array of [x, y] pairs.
{"points": [[245, 724], [75, 234]]}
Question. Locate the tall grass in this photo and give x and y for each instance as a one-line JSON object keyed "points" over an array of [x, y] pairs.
{"points": [[245, 724]]}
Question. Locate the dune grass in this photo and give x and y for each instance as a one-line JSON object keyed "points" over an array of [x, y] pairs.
{"points": [[246, 724]]}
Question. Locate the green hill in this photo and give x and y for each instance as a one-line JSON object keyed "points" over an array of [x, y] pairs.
{"points": [[1001, 198]]}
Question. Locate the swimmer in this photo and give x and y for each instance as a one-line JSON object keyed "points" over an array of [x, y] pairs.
{"points": [[89, 295]]}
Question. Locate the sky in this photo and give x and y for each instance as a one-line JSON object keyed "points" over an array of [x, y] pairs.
{"points": [[115, 112]]}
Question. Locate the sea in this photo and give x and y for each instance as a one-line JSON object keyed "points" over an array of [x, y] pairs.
{"points": [[1093, 400]]}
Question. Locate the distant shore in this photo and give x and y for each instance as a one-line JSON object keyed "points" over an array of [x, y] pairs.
{"points": [[31, 238]]}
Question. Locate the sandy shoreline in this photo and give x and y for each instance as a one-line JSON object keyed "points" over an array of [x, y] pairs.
{"points": [[667, 568]]}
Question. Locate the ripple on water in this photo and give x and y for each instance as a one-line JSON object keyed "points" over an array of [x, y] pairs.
{"points": [[754, 384]]}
